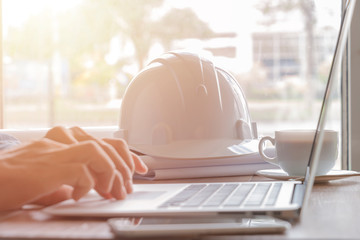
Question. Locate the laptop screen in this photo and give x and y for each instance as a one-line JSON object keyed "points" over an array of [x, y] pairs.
{"points": [[335, 66]]}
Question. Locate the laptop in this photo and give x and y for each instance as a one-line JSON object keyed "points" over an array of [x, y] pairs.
{"points": [[249, 199]]}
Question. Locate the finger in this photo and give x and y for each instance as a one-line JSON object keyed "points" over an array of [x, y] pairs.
{"points": [[61, 134], [117, 159], [140, 166], [80, 135], [122, 149], [84, 183], [120, 165], [119, 191], [95, 158], [45, 144]]}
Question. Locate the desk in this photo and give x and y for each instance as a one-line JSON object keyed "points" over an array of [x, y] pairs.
{"points": [[333, 212]]}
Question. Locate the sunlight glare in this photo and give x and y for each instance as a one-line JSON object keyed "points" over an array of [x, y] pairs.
{"points": [[17, 11]]}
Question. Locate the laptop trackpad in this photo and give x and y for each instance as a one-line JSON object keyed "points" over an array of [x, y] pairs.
{"points": [[145, 195]]}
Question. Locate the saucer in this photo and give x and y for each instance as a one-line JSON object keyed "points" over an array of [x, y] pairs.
{"points": [[279, 174]]}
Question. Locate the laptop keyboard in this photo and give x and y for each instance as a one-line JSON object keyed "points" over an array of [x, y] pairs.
{"points": [[225, 195]]}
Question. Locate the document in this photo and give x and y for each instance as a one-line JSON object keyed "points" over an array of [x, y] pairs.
{"points": [[162, 168]]}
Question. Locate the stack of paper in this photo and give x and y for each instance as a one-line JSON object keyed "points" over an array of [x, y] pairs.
{"points": [[247, 164]]}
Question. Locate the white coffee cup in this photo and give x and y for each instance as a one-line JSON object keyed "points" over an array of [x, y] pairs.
{"points": [[293, 149]]}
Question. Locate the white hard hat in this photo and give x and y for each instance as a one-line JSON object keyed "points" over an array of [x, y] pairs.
{"points": [[182, 106]]}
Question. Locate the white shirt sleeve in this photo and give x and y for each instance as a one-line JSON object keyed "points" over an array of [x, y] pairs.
{"points": [[7, 141]]}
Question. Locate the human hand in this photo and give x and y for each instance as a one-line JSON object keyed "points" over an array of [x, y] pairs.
{"points": [[71, 157], [126, 163]]}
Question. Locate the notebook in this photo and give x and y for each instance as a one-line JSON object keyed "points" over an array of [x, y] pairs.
{"points": [[278, 199]]}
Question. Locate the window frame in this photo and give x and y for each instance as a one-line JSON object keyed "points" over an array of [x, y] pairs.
{"points": [[1, 70], [353, 97]]}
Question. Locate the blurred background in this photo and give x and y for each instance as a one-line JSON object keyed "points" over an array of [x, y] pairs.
{"points": [[69, 62]]}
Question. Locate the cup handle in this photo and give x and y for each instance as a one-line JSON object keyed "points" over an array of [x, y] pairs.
{"points": [[261, 150]]}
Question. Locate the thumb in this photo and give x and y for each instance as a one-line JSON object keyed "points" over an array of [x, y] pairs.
{"points": [[62, 194], [140, 166]]}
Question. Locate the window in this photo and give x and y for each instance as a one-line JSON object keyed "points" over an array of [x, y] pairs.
{"points": [[68, 62]]}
